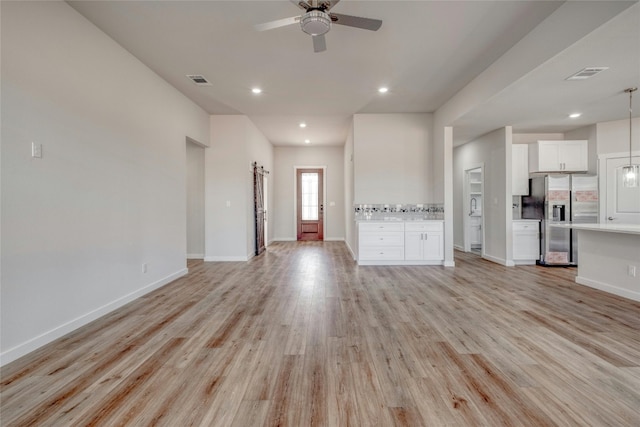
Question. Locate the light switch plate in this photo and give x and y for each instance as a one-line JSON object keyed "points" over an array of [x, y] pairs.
{"points": [[36, 150]]}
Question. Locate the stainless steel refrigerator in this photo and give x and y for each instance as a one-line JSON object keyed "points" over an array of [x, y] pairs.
{"points": [[561, 199]]}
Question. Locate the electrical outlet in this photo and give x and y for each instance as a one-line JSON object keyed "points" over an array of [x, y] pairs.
{"points": [[631, 270], [144, 267]]}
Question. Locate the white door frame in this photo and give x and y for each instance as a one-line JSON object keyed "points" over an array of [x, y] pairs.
{"points": [[465, 212]]}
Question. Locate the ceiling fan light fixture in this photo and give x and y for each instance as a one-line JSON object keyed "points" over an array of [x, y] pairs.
{"points": [[315, 22]]}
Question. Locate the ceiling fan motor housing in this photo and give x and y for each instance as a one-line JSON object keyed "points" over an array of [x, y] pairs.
{"points": [[315, 22]]}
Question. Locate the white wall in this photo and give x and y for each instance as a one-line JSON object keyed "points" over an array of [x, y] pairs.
{"points": [[229, 212], [285, 160], [493, 151], [349, 214], [613, 137], [392, 158], [108, 193], [195, 200]]}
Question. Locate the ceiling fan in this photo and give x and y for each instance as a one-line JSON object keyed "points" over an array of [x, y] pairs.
{"points": [[316, 21]]}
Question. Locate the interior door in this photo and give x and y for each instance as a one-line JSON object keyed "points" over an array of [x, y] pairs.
{"points": [[310, 209], [623, 204]]}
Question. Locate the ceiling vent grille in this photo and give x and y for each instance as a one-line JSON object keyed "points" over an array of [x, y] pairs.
{"points": [[586, 73], [199, 80]]}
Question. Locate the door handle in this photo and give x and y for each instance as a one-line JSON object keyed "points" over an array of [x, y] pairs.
{"points": [[611, 218]]}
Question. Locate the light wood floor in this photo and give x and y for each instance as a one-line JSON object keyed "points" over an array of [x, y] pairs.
{"points": [[302, 336]]}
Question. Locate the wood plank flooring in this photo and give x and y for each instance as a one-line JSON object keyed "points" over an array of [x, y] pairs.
{"points": [[302, 336]]}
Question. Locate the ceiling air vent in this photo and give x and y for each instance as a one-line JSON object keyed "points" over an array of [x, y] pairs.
{"points": [[199, 80], [585, 73]]}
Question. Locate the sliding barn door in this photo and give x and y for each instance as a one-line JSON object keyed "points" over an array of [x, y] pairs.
{"points": [[258, 201]]}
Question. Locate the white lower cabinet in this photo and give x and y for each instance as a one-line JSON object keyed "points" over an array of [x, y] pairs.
{"points": [[475, 230], [423, 241], [410, 242], [379, 241], [526, 241]]}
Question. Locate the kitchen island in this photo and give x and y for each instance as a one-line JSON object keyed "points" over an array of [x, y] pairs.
{"points": [[609, 257]]}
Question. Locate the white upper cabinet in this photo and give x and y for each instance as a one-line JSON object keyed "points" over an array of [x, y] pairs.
{"points": [[559, 156], [520, 169]]}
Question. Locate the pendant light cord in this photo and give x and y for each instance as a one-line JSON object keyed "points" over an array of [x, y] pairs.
{"points": [[630, 90]]}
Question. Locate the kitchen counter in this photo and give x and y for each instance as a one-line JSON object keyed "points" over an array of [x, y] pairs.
{"points": [[608, 228], [609, 257]]}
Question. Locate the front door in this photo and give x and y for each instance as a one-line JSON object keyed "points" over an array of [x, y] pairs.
{"points": [[310, 210], [623, 204]]}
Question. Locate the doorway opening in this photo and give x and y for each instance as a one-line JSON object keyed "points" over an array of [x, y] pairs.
{"points": [[473, 217], [310, 203], [195, 200]]}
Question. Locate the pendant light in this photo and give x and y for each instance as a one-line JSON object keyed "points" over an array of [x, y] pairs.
{"points": [[630, 173]]}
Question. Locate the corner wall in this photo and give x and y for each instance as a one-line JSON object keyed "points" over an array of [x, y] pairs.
{"points": [[493, 152], [108, 195], [285, 159]]}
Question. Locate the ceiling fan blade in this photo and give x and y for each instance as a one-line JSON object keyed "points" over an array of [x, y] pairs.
{"points": [[356, 21], [319, 43], [277, 24], [301, 4]]}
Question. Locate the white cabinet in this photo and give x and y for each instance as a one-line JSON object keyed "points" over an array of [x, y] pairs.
{"points": [[381, 241], [423, 241], [475, 230], [520, 169], [400, 243], [559, 156], [526, 241]]}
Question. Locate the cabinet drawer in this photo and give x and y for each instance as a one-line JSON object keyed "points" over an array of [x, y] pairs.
{"points": [[423, 226], [382, 239], [381, 226], [382, 253], [525, 226]]}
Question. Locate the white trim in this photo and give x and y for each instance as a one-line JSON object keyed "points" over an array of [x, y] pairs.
{"points": [[70, 326], [225, 258], [458, 247], [524, 261], [400, 262], [334, 239], [497, 260], [195, 256], [608, 288], [353, 254], [449, 263], [284, 239]]}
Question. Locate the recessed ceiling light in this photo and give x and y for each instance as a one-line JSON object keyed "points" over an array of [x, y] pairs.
{"points": [[574, 115], [303, 125], [256, 90], [307, 141], [383, 89]]}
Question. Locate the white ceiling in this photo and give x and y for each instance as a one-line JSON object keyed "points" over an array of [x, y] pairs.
{"points": [[425, 52]]}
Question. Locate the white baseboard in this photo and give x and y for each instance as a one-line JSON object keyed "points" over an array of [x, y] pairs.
{"points": [[195, 256], [353, 254], [284, 239], [497, 260], [449, 264], [225, 258], [608, 288], [60, 331], [458, 247]]}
